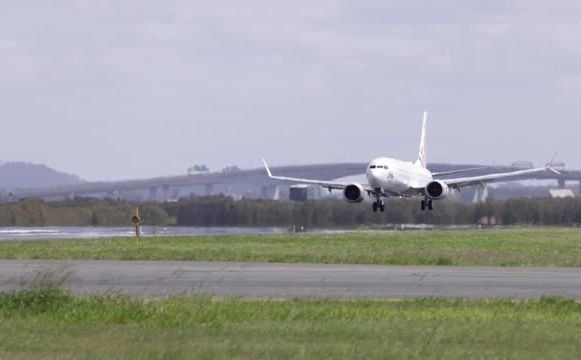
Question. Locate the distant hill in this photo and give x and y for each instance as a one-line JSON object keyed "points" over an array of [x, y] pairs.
{"points": [[14, 175]]}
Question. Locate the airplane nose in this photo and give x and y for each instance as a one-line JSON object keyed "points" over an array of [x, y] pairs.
{"points": [[376, 172], [373, 177]]}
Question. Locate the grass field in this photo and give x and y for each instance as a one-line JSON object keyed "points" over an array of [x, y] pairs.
{"points": [[50, 323], [555, 247]]}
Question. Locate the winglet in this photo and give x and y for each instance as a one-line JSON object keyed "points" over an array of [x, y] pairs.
{"points": [[550, 168], [549, 165], [266, 167]]}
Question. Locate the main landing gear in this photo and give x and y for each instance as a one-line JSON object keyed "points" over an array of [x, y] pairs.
{"points": [[427, 203], [379, 204]]}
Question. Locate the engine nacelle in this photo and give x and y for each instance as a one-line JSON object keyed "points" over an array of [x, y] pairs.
{"points": [[437, 190], [354, 193]]}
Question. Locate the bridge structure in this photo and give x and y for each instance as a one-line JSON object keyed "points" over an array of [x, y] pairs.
{"points": [[250, 183]]}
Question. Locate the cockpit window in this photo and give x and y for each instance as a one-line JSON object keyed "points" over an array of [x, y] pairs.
{"points": [[372, 167]]}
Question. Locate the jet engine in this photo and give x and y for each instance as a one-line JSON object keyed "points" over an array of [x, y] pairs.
{"points": [[354, 193], [437, 190]]}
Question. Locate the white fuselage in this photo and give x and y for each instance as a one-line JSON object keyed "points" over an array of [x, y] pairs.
{"points": [[395, 176]]}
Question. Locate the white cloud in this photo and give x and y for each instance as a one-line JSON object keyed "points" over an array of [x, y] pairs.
{"points": [[240, 69], [15, 64], [7, 44]]}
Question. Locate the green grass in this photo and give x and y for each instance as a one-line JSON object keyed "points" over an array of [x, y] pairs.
{"points": [[554, 247], [50, 323]]}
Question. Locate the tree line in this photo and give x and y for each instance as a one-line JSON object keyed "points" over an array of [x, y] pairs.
{"points": [[225, 211], [78, 212]]}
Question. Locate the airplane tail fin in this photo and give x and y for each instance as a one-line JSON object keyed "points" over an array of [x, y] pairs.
{"points": [[422, 159]]}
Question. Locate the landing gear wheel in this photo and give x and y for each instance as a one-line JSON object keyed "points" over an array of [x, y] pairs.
{"points": [[381, 206], [423, 205], [374, 207], [430, 206]]}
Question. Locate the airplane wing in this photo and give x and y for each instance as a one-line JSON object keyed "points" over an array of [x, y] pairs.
{"points": [[443, 173], [483, 179], [330, 185]]}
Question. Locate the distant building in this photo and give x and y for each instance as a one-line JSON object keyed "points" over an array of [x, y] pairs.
{"points": [[299, 192], [231, 169], [198, 169], [522, 165], [561, 193]]}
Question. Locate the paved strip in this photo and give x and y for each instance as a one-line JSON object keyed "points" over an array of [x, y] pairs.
{"points": [[256, 280]]}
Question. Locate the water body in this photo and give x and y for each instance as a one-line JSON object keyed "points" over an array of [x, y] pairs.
{"points": [[88, 232], [51, 233]]}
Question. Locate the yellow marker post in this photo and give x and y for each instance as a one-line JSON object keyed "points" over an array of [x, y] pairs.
{"points": [[137, 222]]}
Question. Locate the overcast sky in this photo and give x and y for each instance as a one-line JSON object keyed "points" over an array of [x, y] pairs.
{"points": [[114, 89]]}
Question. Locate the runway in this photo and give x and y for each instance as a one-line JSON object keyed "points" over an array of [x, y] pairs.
{"points": [[254, 280]]}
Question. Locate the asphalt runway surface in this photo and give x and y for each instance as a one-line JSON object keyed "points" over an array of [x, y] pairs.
{"points": [[281, 281]]}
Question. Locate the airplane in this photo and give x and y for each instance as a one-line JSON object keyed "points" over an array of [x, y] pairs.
{"points": [[388, 177]]}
